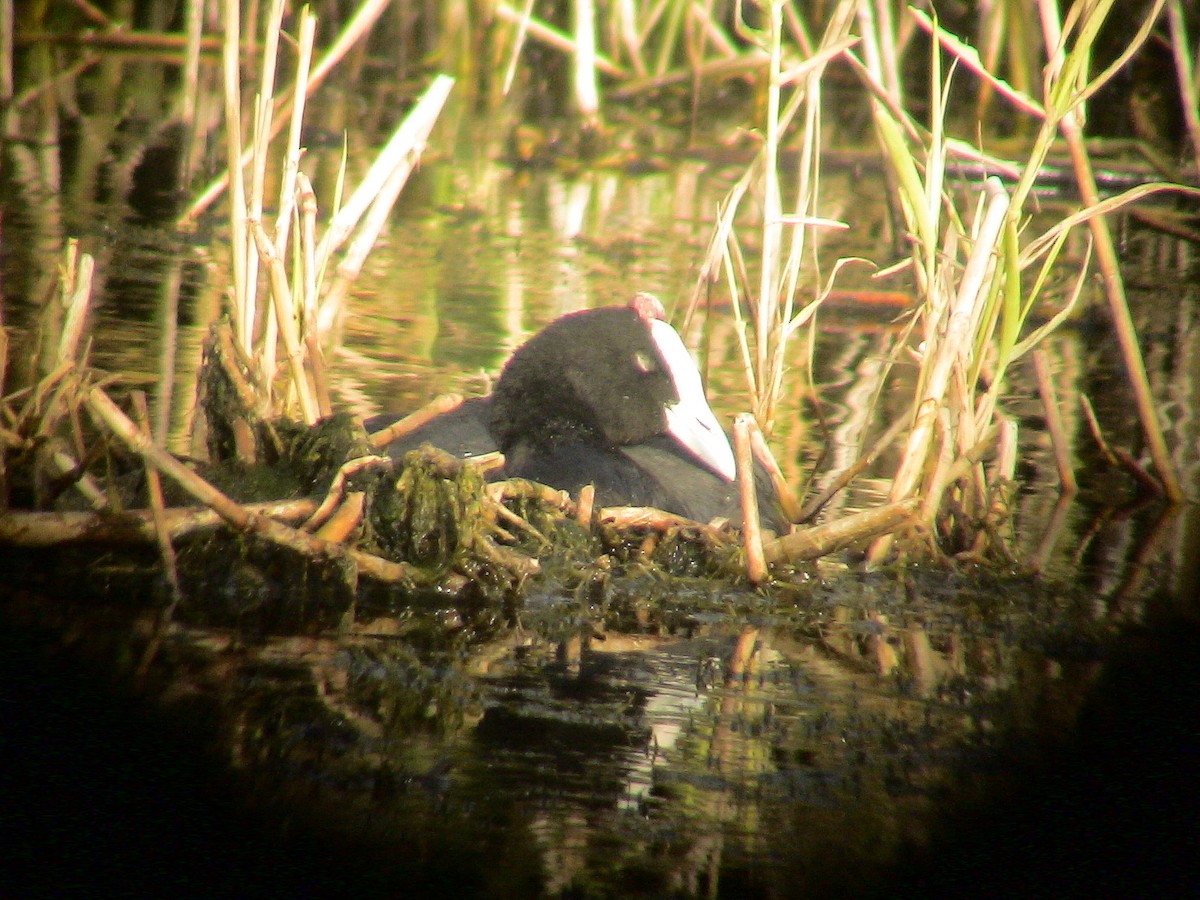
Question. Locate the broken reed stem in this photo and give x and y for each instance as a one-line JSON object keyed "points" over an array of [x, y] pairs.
{"points": [[762, 452], [236, 515], [756, 567], [586, 506], [1054, 422], [844, 478]]}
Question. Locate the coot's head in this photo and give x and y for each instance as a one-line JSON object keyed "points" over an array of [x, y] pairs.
{"points": [[611, 377]]}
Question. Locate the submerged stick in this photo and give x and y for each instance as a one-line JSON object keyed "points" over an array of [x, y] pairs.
{"points": [[165, 548]]}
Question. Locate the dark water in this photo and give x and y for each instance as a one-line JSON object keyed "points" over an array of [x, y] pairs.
{"points": [[849, 734]]}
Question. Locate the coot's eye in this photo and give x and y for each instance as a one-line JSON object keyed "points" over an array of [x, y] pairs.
{"points": [[644, 362]]}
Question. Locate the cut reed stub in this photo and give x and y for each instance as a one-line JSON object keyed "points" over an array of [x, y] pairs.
{"points": [[756, 566]]}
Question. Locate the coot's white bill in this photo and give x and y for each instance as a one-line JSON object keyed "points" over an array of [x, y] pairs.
{"points": [[691, 419]]}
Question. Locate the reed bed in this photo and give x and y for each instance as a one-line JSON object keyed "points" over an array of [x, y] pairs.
{"points": [[977, 270], [971, 273]]}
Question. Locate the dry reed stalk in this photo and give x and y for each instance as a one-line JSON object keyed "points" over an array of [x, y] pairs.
{"points": [[237, 189], [629, 37], [281, 296], [821, 540], [360, 23], [518, 44], [945, 351], [76, 299], [709, 32], [587, 95], [289, 188], [253, 212]]}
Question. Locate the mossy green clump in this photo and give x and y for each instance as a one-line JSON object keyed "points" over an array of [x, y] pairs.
{"points": [[435, 515]]}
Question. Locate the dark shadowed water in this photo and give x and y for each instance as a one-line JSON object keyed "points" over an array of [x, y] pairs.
{"points": [[939, 730]]}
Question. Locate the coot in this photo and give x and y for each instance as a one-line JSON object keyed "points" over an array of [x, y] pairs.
{"points": [[608, 397]]}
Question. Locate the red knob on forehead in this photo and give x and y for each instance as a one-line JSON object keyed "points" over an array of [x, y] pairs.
{"points": [[648, 307]]}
